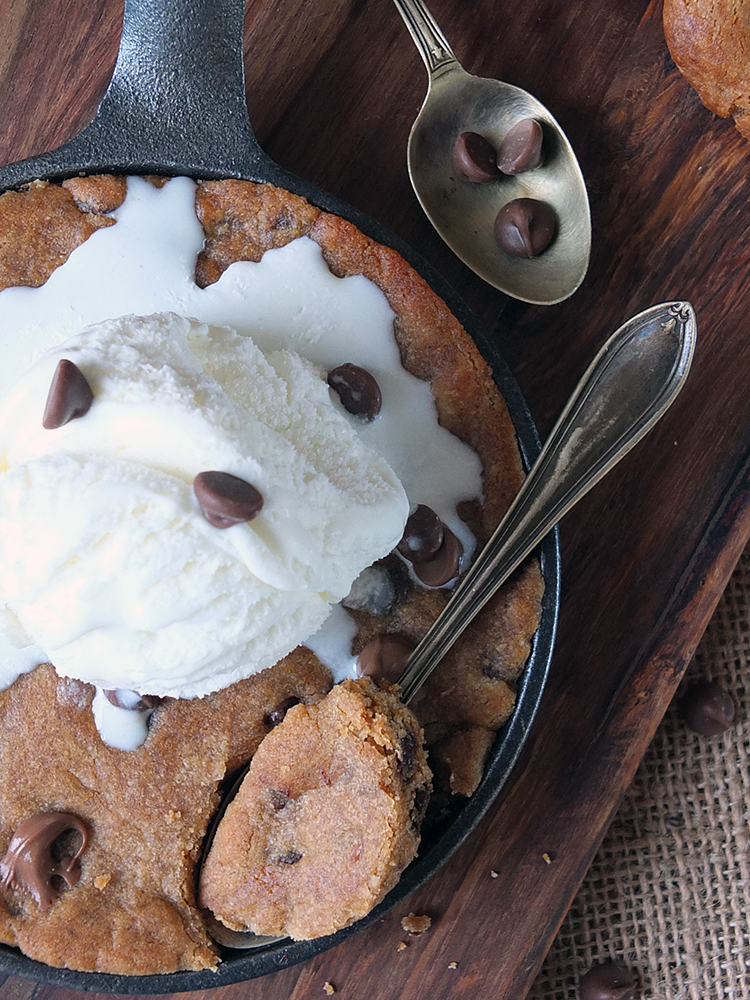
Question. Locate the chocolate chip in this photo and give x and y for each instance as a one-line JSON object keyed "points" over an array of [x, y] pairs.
{"points": [[69, 396], [131, 700], [226, 500], [608, 981], [474, 158], [290, 858], [525, 227], [358, 390], [384, 658], [423, 535], [407, 761], [521, 149], [278, 799], [419, 808], [707, 708], [277, 714], [444, 565], [40, 851]]}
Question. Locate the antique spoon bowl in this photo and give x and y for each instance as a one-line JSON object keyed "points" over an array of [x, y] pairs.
{"points": [[462, 212]]}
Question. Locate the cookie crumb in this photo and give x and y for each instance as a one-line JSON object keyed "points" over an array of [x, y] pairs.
{"points": [[416, 925], [546, 858], [329, 988], [494, 874], [102, 881], [401, 946], [452, 965], [174, 815]]}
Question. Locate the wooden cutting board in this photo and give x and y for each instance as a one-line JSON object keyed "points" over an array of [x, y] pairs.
{"points": [[334, 86]]}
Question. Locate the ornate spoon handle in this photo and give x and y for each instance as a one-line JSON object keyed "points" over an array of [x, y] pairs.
{"points": [[629, 385], [429, 39]]}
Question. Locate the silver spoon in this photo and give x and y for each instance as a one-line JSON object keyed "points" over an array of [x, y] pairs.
{"points": [[464, 213], [629, 385], [631, 382]]}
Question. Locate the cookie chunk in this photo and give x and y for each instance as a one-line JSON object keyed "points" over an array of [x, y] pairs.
{"points": [[709, 41], [326, 819], [130, 908]]}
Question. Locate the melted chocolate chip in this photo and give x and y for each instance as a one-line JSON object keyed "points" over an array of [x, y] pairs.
{"points": [[444, 565], [419, 808], [407, 761], [277, 714], [525, 227], [69, 396], [474, 158], [423, 535], [131, 700], [608, 981], [708, 708], [290, 858], [226, 500], [521, 149], [384, 658], [33, 859], [278, 799], [358, 390]]}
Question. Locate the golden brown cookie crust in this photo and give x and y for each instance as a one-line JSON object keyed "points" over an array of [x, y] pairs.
{"points": [[133, 912], [709, 41]]}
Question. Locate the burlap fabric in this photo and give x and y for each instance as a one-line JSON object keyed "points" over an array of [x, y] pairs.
{"points": [[668, 894]]}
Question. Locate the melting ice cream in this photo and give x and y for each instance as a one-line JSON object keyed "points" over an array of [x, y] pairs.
{"points": [[106, 560], [288, 321]]}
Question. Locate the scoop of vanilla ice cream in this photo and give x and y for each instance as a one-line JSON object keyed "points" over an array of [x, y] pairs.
{"points": [[106, 561]]}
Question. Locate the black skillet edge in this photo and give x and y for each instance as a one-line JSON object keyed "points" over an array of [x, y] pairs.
{"points": [[165, 114]]}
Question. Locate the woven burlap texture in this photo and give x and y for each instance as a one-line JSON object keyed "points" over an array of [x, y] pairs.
{"points": [[668, 893]]}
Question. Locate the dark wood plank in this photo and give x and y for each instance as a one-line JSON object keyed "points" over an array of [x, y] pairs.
{"points": [[333, 89]]}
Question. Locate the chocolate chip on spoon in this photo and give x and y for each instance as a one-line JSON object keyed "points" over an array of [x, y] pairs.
{"points": [[474, 158], [358, 390], [69, 396], [525, 227], [423, 535], [521, 149], [608, 981], [226, 500], [384, 658], [708, 708]]}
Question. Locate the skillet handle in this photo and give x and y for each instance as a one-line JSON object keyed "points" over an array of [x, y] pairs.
{"points": [[175, 104]]}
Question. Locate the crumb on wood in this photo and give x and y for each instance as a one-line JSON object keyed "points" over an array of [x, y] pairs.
{"points": [[329, 987], [546, 858], [494, 874], [452, 965], [414, 924], [401, 946]]}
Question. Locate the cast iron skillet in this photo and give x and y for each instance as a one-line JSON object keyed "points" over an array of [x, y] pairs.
{"points": [[176, 106]]}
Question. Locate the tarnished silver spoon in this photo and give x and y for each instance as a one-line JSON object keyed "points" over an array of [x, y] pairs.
{"points": [[463, 212], [631, 382]]}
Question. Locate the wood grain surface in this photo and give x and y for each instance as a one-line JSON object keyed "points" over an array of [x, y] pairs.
{"points": [[333, 87]]}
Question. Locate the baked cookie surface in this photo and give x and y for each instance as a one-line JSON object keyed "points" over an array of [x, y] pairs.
{"points": [[134, 908], [326, 819], [709, 41], [133, 911]]}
